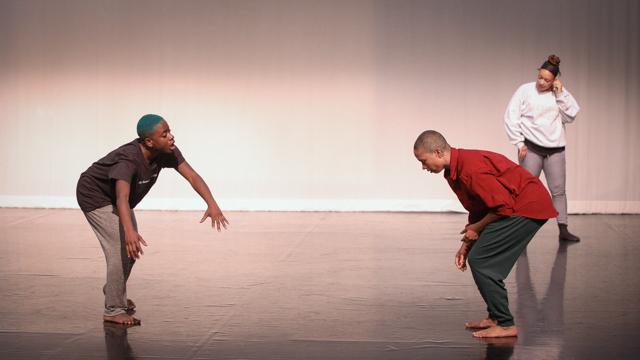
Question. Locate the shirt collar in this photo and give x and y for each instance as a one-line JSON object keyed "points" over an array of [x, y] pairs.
{"points": [[452, 172]]}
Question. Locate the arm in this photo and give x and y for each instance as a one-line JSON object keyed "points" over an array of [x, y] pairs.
{"points": [[493, 187], [463, 253], [213, 211], [471, 233], [512, 121], [566, 103], [131, 236]]}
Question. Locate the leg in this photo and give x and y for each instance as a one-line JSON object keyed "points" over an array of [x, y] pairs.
{"points": [[533, 163], [106, 225], [555, 170], [491, 260]]}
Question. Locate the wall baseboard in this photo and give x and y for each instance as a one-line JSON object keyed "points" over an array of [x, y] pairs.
{"points": [[400, 205]]}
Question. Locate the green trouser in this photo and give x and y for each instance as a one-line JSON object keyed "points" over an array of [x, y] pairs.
{"points": [[492, 257]]}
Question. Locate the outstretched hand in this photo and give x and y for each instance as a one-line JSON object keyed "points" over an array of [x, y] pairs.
{"points": [[217, 219], [133, 241]]}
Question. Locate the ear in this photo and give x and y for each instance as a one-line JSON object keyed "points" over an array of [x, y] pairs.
{"points": [[148, 142], [438, 153]]}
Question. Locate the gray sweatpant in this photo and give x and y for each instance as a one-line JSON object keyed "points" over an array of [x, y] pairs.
{"points": [[555, 170], [105, 222]]}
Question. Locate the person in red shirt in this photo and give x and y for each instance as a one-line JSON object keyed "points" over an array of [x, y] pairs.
{"points": [[507, 206]]}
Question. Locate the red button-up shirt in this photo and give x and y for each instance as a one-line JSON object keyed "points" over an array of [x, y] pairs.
{"points": [[485, 181]]}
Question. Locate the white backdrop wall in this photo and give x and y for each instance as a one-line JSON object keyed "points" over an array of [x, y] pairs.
{"points": [[309, 105]]}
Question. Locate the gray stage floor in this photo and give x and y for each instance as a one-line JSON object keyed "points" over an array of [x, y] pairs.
{"points": [[312, 286]]}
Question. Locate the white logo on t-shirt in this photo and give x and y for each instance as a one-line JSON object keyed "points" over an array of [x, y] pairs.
{"points": [[146, 181]]}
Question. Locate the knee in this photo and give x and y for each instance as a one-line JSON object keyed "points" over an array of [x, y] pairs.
{"points": [[557, 191], [479, 263]]}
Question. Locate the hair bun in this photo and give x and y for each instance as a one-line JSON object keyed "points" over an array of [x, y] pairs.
{"points": [[554, 60]]}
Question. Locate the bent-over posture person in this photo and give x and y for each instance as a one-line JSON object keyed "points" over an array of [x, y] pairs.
{"points": [[108, 191], [507, 205]]}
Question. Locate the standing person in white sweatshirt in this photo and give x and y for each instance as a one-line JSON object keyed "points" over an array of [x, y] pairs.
{"points": [[535, 122]]}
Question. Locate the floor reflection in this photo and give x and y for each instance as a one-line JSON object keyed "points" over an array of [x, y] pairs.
{"points": [[313, 286], [115, 338], [541, 323], [500, 348]]}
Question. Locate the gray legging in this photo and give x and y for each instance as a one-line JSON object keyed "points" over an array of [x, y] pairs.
{"points": [[555, 170]]}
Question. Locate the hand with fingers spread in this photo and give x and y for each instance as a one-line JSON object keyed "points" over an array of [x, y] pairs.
{"points": [[217, 219], [213, 211]]}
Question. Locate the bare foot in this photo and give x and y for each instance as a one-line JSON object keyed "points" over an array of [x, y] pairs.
{"points": [[130, 305], [118, 326], [501, 342], [122, 319], [497, 332], [482, 324]]}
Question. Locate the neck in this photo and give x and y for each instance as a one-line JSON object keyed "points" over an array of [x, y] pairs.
{"points": [[447, 159], [148, 153]]}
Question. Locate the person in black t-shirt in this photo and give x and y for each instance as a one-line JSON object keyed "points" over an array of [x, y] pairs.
{"points": [[111, 187]]}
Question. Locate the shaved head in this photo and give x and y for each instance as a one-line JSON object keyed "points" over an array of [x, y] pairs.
{"points": [[429, 141]]}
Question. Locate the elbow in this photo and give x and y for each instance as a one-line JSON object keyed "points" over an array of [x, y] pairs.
{"points": [[503, 211], [195, 181], [123, 199]]}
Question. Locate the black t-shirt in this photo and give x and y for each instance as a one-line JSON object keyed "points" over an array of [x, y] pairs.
{"points": [[97, 186]]}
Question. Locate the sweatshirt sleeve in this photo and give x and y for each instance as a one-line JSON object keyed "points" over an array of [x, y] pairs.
{"points": [[567, 105], [512, 119]]}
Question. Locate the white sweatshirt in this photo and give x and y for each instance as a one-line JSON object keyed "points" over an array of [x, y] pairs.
{"points": [[539, 116]]}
